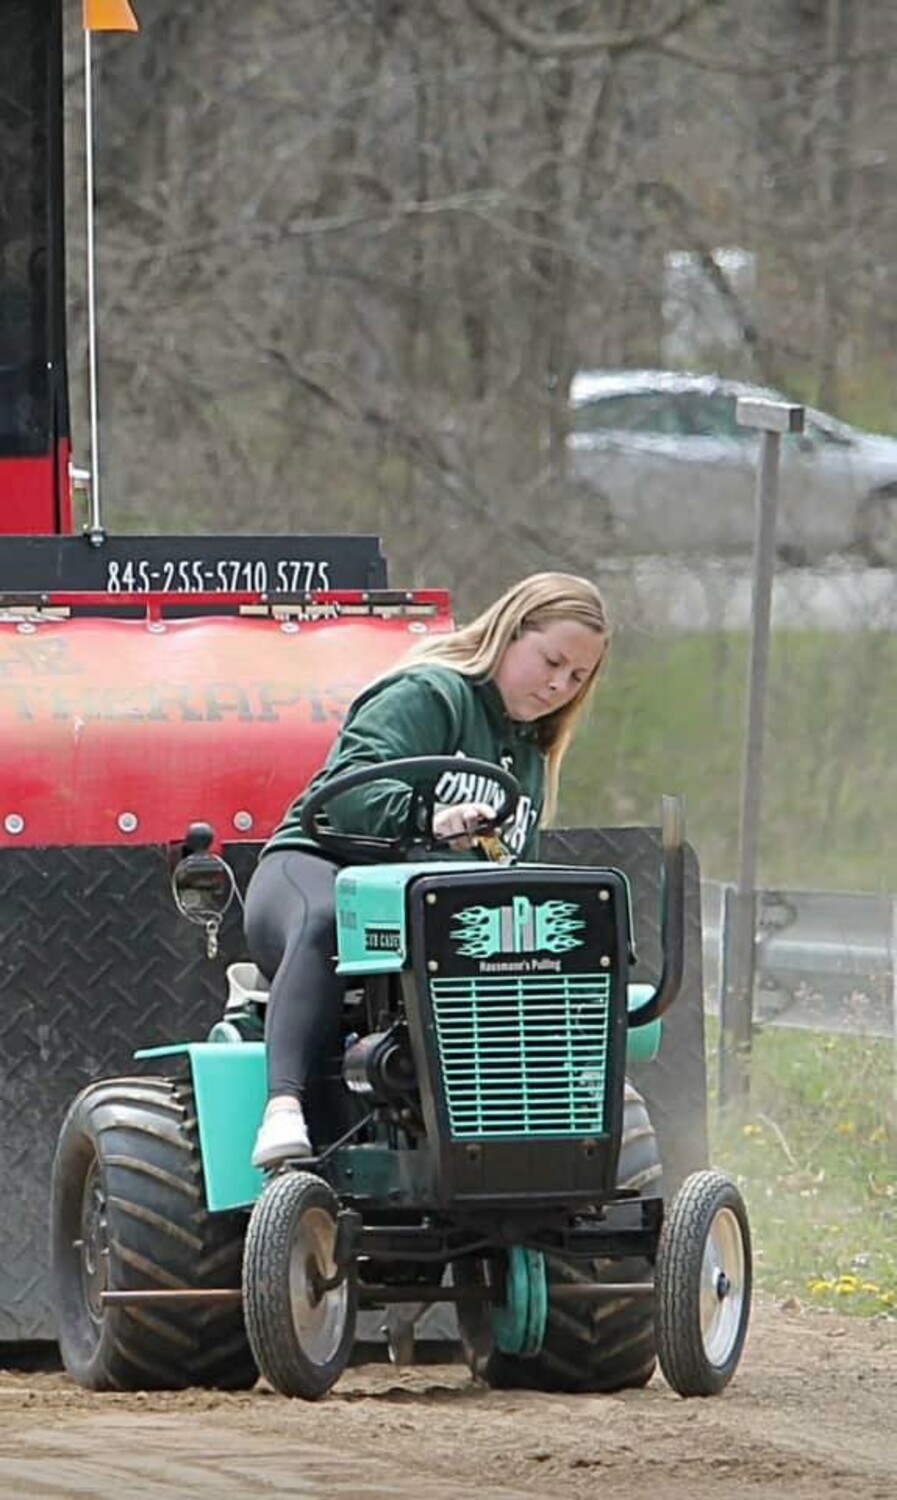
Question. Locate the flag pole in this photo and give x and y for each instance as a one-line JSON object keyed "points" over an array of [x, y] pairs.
{"points": [[95, 527]]}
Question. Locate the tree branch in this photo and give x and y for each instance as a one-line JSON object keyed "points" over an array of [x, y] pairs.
{"points": [[706, 63], [569, 45]]}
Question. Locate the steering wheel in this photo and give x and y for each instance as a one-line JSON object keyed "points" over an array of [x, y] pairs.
{"points": [[420, 773]]}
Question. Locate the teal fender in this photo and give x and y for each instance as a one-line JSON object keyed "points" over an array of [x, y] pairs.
{"points": [[642, 1042], [230, 1087]]}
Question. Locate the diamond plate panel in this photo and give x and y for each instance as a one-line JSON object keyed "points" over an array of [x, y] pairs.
{"points": [[94, 961]]}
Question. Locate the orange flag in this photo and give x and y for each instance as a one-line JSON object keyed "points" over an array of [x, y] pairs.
{"points": [[109, 15]]}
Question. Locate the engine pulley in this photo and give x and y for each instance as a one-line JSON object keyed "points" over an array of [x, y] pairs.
{"points": [[379, 1066]]}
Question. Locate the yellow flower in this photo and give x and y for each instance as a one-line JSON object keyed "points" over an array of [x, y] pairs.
{"points": [[845, 1286]]}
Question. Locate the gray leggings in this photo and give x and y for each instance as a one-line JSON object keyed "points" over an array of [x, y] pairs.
{"points": [[291, 934]]}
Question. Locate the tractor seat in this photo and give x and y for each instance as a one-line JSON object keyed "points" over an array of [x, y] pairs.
{"points": [[245, 986]]}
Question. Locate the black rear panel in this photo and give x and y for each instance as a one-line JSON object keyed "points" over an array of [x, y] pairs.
{"points": [[674, 1084]]}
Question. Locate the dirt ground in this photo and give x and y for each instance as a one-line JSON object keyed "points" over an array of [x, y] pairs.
{"points": [[812, 1412]]}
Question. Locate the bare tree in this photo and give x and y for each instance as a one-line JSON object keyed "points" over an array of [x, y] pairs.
{"points": [[351, 257]]}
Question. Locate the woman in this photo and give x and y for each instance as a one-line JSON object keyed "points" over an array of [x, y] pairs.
{"points": [[508, 688]]}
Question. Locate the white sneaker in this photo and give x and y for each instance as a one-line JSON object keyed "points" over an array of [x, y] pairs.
{"points": [[283, 1134]]}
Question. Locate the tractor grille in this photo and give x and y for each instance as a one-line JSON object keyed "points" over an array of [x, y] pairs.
{"points": [[523, 1056]]}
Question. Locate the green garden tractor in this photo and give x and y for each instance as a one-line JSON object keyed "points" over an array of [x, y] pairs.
{"points": [[477, 1140]]}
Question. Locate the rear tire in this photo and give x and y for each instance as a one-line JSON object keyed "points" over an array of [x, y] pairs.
{"points": [[588, 1346], [128, 1213]]}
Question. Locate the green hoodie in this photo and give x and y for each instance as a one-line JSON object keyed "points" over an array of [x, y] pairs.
{"points": [[426, 710]]}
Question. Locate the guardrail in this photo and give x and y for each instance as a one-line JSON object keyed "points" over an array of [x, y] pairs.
{"points": [[824, 960]]}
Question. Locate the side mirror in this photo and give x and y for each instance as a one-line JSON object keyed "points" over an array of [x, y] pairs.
{"points": [[203, 884]]}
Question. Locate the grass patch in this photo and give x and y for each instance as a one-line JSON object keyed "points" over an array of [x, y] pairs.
{"points": [[816, 1158], [670, 717]]}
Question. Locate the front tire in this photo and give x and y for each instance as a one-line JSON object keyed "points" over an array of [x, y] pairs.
{"points": [[601, 1346], [128, 1213], [703, 1285], [301, 1335]]}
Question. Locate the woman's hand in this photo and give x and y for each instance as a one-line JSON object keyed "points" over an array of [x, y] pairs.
{"points": [[459, 824]]}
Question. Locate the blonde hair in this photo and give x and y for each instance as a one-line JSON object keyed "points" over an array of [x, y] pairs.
{"points": [[475, 650]]}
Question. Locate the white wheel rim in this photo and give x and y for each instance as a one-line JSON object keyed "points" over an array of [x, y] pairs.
{"points": [[722, 1287], [319, 1319]]}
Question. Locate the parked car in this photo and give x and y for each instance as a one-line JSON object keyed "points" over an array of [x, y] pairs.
{"points": [[676, 473]]}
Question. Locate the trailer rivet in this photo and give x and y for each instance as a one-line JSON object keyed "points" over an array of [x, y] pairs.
{"points": [[431, 898], [604, 962], [127, 822], [243, 821], [603, 895], [433, 966], [14, 823]]}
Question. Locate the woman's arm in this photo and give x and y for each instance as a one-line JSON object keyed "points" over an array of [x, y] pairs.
{"points": [[406, 717]]}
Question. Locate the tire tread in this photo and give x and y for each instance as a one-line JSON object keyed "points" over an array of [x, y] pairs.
{"points": [[266, 1291], [683, 1358], [142, 1132]]}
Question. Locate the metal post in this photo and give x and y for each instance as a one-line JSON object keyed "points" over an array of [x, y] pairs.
{"points": [[891, 1118], [771, 418], [95, 524]]}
